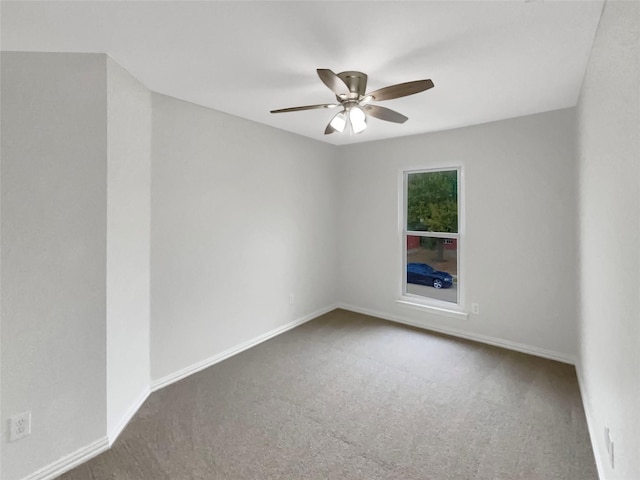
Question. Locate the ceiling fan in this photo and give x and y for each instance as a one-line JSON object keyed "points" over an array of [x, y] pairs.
{"points": [[349, 88]]}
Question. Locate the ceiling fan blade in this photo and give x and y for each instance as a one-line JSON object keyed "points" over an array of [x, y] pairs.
{"points": [[384, 113], [401, 90], [305, 107], [333, 81]]}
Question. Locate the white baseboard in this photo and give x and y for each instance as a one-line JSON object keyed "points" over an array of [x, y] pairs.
{"points": [[70, 461], [117, 430], [196, 367], [498, 342], [591, 425], [81, 455]]}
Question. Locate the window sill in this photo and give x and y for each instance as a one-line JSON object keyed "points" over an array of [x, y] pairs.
{"points": [[445, 312]]}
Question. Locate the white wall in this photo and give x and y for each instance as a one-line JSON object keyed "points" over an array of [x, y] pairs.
{"points": [[128, 217], [609, 159], [520, 242], [241, 216], [54, 139]]}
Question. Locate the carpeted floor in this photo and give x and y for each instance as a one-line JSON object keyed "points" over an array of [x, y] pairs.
{"points": [[348, 396]]}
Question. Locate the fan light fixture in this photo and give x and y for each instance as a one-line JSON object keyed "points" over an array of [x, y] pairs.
{"points": [[358, 119], [349, 88], [339, 121], [356, 116]]}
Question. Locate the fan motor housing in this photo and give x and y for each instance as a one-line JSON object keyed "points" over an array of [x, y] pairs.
{"points": [[356, 81]]}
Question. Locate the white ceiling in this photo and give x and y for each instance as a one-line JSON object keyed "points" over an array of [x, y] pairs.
{"points": [[488, 60]]}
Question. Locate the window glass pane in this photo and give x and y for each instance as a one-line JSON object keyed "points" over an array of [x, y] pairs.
{"points": [[432, 267], [432, 201]]}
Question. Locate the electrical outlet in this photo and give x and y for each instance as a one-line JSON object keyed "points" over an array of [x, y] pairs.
{"points": [[292, 299], [20, 426], [475, 309]]}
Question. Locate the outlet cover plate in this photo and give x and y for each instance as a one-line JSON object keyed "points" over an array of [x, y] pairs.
{"points": [[20, 426]]}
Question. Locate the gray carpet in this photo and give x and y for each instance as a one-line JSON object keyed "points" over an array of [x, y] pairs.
{"points": [[348, 396]]}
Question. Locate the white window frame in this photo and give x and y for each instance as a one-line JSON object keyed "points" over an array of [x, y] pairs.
{"points": [[441, 307]]}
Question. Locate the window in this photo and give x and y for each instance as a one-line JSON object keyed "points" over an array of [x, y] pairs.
{"points": [[431, 233]]}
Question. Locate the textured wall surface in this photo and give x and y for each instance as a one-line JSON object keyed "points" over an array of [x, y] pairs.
{"points": [[242, 215], [609, 158], [54, 168], [128, 216], [518, 249]]}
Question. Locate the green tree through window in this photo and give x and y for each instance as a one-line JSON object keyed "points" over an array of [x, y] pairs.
{"points": [[432, 202], [432, 206]]}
